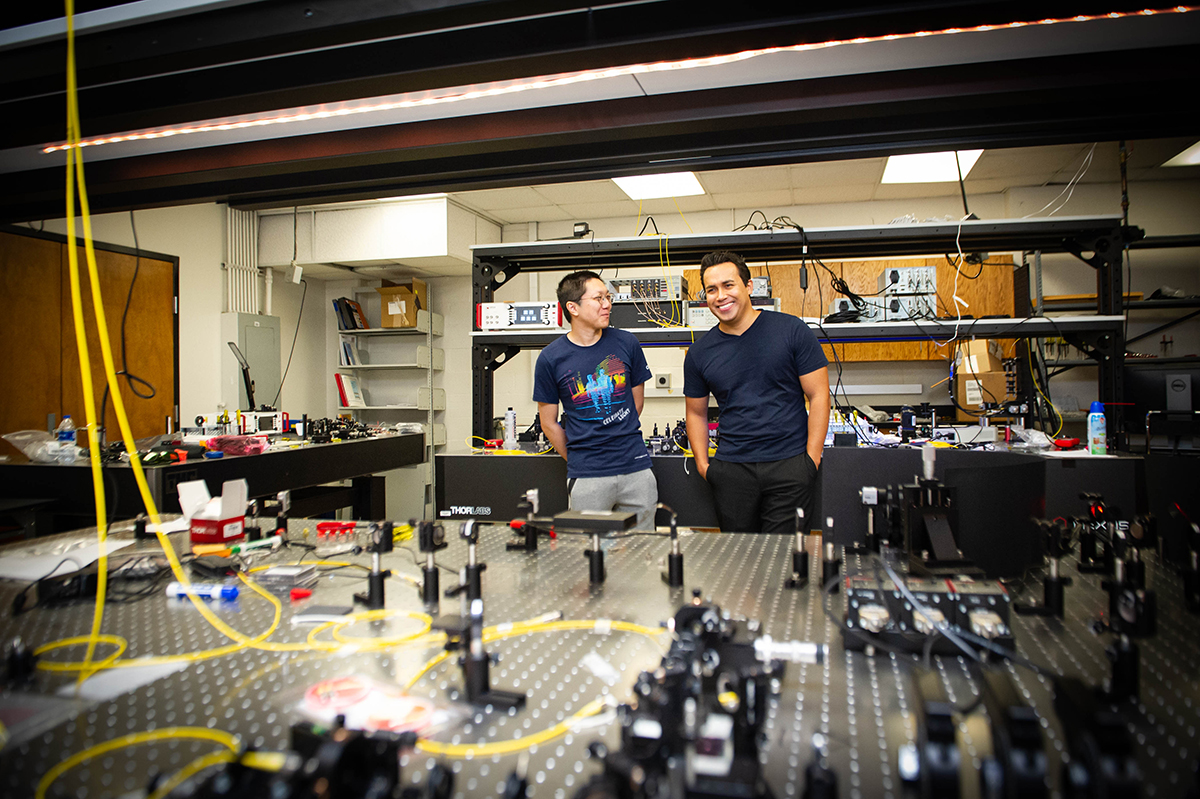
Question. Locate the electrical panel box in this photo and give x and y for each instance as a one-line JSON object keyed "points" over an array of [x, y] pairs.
{"points": [[636, 289], [905, 308], [908, 280], [518, 316], [258, 338]]}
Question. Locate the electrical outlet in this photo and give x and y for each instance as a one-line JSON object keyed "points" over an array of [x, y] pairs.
{"points": [[662, 380]]}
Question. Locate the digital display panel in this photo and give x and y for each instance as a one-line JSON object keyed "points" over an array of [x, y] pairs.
{"points": [[528, 315]]}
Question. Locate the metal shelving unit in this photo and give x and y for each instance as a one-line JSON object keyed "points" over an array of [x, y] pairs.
{"points": [[386, 380], [1097, 242]]}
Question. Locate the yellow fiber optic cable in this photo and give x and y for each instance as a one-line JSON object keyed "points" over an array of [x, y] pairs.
{"points": [[85, 368], [516, 745], [221, 737], [75, 173]]}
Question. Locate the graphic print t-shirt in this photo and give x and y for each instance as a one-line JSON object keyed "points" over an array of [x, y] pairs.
{"points": [[595, 388]]}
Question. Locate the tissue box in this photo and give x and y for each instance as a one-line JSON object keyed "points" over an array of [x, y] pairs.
{"points": [[218, 531], [214, 521]]}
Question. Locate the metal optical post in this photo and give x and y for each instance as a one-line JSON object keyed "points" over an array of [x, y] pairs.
{"points": [[476, 664], [673, 576], [470, 579], [831, 564], [430, 539], [1056, 539], [528, 503], [799, 578], [381, 543], [595, 557]]}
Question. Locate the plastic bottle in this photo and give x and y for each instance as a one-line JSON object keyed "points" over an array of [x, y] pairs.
{"points": [[66, 440], [510, 429], [206, 590], [1097, 427]]}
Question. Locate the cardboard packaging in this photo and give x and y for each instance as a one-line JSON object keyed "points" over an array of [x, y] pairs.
{"points": [[220, 520], [974, 390], [979, 356], [399, 303]]}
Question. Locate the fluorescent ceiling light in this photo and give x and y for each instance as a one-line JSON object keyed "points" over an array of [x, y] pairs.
{"points": [[1189, 157], [929, 167], [652, 187]]}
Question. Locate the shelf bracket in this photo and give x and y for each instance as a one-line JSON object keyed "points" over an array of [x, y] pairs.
{"points": [[485, 360], [489, 274]]}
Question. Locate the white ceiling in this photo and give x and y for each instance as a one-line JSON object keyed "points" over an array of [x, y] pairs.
{"points": [[831, 182]]}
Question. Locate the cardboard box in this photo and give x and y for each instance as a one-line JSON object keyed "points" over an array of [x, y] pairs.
{"points": [[219, 520], [400, 302], [979, 356], [973, 390]]}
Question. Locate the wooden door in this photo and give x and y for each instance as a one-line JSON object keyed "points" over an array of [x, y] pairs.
{"points": [[149, 341], [38, 353], [30, 334]]}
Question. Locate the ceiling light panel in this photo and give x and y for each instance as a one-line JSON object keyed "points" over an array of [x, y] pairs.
{"points": [[653, 187], [1189, 157], [929, 167]]}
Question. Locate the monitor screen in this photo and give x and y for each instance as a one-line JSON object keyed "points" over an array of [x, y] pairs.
{"points": [[1149, 384]]}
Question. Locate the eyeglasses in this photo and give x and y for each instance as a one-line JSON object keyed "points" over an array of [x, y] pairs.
{"points": [[601, 299]]}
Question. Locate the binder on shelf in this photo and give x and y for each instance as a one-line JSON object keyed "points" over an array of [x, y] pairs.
{"points": [[356, 311], [350, 391], [354, 394]]}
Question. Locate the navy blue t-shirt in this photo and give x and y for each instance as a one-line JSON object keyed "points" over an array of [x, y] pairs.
{"points": [[595, 386], [755, 378]]}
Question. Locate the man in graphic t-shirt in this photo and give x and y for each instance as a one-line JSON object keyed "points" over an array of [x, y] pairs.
{"points": [[598, 374], [760, 367]]}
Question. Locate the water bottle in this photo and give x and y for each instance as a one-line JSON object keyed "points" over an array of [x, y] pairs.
{"points": [[66, 440], [510, 429], [1097, 427]]}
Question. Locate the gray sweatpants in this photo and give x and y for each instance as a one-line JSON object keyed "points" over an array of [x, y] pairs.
{"points": [[623, 492]]}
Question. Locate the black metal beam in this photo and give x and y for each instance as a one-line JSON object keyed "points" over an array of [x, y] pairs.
{"points": [[256, 57], [989, 105]]}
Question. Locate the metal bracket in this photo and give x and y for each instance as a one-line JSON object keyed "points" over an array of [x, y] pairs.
{"points": [[1105, 249], [1097, 345], [489, 275], [492, 356]]}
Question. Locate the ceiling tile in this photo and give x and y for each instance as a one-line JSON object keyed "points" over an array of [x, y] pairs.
{"points": [[753, 199], [1039, 163], [586, 211], [591, 191], [497, 199], [699, 202], [863, 170], [910, 191], [852, 193], [541, 213], [752, 179]]}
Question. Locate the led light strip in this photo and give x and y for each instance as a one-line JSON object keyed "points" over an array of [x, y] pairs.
{"points": [[355, 108]]}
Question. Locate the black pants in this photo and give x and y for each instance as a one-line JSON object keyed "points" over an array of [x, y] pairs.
{"points": [[763, 497]]}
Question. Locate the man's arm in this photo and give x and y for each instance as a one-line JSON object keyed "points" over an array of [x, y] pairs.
{"points": [[816, 388], [548, 415], [639, 397], [696, 416]]}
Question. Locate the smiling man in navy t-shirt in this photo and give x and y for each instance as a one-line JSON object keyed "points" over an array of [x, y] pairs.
{"points": [[598, 374], [760, 367]]}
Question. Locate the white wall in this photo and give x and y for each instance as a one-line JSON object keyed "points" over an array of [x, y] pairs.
{"points": [[196, 234]]}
